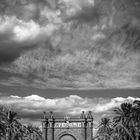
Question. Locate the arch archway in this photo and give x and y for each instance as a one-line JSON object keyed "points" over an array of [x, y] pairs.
{"points": [[67, 137], [66, 128]]}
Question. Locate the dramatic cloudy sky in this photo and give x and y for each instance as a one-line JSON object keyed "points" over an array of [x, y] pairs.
{"points": [[50, 59]]}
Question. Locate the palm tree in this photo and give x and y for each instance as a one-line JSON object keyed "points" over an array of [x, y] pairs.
{"points": [[104, 129], [18, 131], [135, 115], [37, 133], [2, 130], [34, 132], [123, 121], [8, 122], [12, 129], [2, 122], [11, 123]]}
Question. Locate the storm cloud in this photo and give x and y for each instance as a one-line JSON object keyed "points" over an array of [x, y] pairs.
{"points": [[25, 25], [17, 36], [50, 43]]}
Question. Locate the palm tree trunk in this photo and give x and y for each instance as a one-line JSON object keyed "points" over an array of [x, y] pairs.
{"points": [[137, 133], [7, 135], [10, 136]]}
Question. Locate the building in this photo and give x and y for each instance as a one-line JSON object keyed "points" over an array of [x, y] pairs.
{"points": [[68, 128]]}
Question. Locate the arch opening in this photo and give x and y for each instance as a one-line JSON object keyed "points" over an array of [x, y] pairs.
{"points": [[67, 137]]}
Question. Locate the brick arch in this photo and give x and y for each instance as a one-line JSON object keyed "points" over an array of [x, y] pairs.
{"points": [[79, 128], [64, 133]]}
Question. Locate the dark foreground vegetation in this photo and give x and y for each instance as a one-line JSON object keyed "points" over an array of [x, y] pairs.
{"points": [[124, 123], [12, 129]]}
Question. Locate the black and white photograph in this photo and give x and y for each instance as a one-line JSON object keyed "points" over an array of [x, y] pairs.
{"points": [[69, 69]]}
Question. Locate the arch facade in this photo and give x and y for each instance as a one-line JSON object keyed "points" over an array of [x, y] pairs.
{"points": [[68, 128]]}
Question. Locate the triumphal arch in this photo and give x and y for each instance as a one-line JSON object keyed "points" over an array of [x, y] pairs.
{"points": [[68, 128]]}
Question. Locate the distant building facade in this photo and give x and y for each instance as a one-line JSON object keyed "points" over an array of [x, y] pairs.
{"points": [[68, 128]]}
